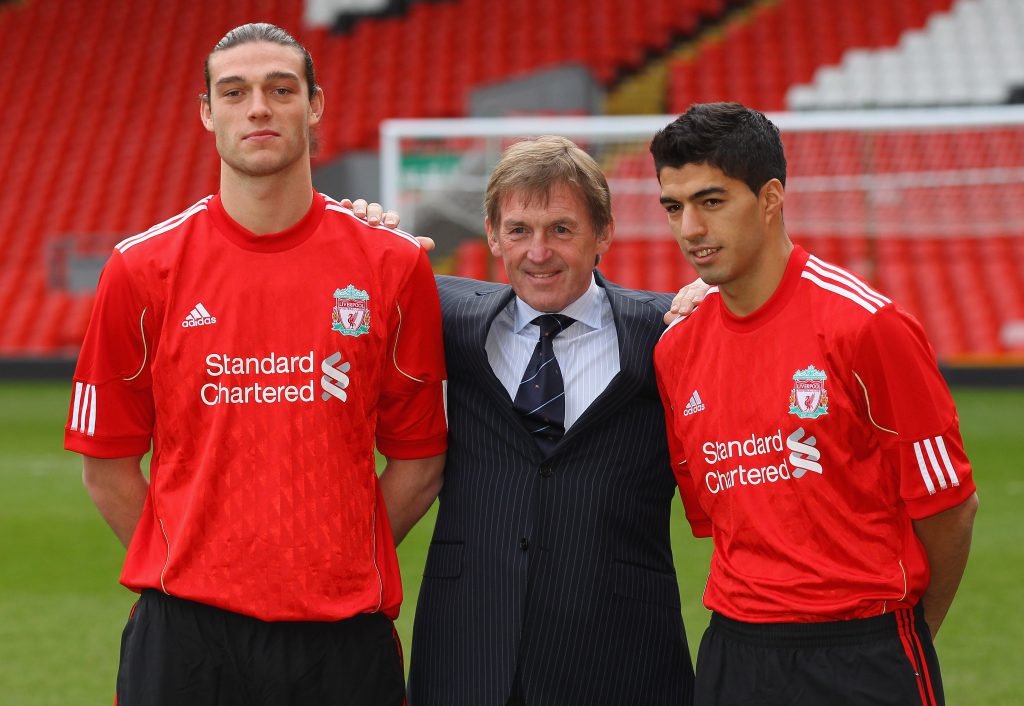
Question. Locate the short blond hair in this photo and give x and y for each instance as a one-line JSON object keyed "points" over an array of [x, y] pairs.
{"points": [[532, 168]]}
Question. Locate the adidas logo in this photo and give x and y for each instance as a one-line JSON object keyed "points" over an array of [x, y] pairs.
{"points": [[199, 316], [694, 405]]}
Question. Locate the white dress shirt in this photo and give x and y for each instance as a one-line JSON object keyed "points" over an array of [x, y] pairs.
{"points": [[587, 352]]}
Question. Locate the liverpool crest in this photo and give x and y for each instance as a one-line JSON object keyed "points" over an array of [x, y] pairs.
{"points": [[351, 314], [809, 398]]}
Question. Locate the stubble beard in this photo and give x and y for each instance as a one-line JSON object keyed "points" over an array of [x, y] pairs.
{"points": [[256, 166]]}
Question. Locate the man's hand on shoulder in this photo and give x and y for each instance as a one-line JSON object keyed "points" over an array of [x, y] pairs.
{"points": [[686, 300], [374, 214]]}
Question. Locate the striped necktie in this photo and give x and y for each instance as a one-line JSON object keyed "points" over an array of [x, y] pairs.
{"points": [[540, 398]]}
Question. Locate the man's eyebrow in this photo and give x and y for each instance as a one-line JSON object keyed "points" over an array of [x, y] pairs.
{"points": [[271, 76], [223, 80], [517, 222], [696, 196], [282, 75]]}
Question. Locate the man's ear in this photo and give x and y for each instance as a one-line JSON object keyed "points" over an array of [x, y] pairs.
{"points": [[492, 238], [604, 239], [773, 194], [316, 106], [205, 111]]}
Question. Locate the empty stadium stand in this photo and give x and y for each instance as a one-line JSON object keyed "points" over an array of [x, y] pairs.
{"points": [[105, 138], [102, 138]]}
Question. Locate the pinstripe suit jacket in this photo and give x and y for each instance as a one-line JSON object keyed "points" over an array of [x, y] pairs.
{"points": [[557, 569]]}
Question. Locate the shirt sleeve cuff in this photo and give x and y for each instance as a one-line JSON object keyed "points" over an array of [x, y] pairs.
{"points": [[116, 447], [419, 448], [700, 528], [920, 508]]}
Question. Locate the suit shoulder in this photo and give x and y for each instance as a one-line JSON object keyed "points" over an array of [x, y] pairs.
{"points": [[639, 305], [455, 288]]}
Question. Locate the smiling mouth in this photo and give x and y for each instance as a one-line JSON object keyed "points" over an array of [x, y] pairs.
{"points": [[704, 252], [541, 275]]}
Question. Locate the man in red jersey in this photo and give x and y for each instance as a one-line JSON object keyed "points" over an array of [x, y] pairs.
{"points": [[265, 340], [813, 439]]}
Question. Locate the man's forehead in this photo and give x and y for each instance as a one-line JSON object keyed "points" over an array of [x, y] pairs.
{"points": [[255, 60], [558, 198]]}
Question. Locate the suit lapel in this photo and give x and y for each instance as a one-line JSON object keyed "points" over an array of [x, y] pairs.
{"points": [[487, 302], [637, 328]]}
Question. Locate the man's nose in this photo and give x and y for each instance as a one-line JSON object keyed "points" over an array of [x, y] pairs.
{"points": [[691, 224], [258, 106]]}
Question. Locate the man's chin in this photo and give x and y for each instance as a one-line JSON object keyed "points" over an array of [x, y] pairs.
{"points": [[257, 167], [709, 275]]}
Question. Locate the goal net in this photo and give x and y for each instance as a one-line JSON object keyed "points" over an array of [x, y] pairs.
{"points": [[927, 205]]}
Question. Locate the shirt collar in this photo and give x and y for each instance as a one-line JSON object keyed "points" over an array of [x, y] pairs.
{"points": [[587, 309]]}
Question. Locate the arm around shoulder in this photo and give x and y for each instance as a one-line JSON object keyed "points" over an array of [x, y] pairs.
{"points": [[946, 538]]}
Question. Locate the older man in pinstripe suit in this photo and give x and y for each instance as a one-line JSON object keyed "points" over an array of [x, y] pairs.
{"points": [[549, 579]]}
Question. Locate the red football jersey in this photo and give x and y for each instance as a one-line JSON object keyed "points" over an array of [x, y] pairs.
{"points": [[264, 369], [806, 437]]}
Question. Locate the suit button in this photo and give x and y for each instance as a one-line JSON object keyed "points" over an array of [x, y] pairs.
{"points": [[545, 470], [524, 543]]}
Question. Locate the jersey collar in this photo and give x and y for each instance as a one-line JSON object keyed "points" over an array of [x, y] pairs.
{"points": [[272, 242], [776, 302]]}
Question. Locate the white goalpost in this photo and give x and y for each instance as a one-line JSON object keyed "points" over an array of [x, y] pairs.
{"points": [[915, 200], [451, 158]]}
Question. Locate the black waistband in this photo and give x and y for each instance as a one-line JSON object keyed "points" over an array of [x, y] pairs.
{"points": [[824, 634]]}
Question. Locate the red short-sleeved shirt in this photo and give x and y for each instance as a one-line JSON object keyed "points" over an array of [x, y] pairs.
{"points": [[806, 437], [264, 369]]}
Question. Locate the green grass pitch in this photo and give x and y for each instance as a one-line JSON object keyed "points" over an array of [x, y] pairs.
{"points": [[62, 610]]}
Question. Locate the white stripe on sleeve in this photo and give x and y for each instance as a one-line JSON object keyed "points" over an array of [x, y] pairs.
{"points": [[954, 479], [92, 410], [75, 407], [924, 469], [83, 415], [935, 463]]}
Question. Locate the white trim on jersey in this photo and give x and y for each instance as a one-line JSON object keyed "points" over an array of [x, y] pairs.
{"points": [[75, 406], [838, 274], [394, 351], [92, 411], [953, 477], [373, 552], [332, 205], [927, 448], [867, 403], [145, 347], [83, 414], [159, 228], [852, 296]]}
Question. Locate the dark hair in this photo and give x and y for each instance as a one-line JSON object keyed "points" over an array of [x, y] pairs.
{"points": [[741, 142], [261, 32]]}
